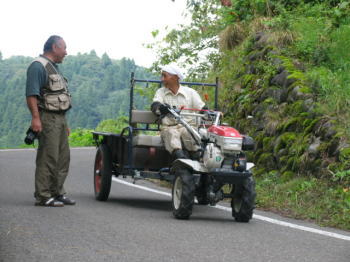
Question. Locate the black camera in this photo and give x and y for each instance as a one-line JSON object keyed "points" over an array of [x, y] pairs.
{"points": [[30, 137]]}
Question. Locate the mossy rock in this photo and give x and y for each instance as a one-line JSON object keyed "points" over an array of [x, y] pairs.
{"points": [[256, 154], [334, 167], [282, 152], [283, 80], [295, 108], [283, 160], [256, 55], [249, 156], [293, 163], [292, 124], [323, 147], [267, 160], [306, 116], [333, 147], [310, 127], [247, 80], [269, 101], [314, 167], [278, 95], [284, 140], [259, 171], [259, 139], [345, 165], [297, 74], [271, 127], [300, 146], [328, 131], [268, 144], [306, 90], [344, 154], [300, 93], [287, 176], [307, 122]]}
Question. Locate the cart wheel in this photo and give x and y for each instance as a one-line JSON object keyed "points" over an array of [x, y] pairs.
{"points": [[243, 202], [102, 173], [183, 193]]}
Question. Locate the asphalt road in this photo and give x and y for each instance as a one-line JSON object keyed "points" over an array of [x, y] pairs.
{"points": [[137, 225]]}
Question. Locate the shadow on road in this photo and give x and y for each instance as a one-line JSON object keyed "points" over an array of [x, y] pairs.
{"points": [[197, 216], [200, 213], [155, 204]]}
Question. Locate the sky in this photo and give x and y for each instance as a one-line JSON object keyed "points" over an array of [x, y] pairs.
{"points": [[116, 27]]}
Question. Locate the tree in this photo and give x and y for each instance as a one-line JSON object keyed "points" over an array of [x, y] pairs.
{"points": [[193, 46], [99, 87]]}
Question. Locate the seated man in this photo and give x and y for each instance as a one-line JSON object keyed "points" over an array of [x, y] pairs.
{"points": [[174, 95]]}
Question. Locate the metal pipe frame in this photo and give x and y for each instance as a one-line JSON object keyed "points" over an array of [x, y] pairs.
{"points": [[133, 80]]}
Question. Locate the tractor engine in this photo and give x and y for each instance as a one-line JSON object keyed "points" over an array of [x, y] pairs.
{"points": [[227, 138], [224, 143]]}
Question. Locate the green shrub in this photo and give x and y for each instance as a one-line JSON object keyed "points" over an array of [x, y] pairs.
{"points": [[112, 125], [339, 49], [81, 137], [311, 44]]}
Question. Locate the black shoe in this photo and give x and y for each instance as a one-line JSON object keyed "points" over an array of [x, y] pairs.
{"points": [[65, 200], [179, 153], [51, 202]]}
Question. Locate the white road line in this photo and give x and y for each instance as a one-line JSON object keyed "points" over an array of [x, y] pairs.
{"points": [[141, 187], [259, 217], [17, 149], [33, 149]]}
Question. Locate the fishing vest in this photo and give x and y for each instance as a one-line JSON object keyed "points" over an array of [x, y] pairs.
{"points": [[54, 95]]}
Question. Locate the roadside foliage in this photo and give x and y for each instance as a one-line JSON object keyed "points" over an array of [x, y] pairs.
{"points": [[284, 69]]}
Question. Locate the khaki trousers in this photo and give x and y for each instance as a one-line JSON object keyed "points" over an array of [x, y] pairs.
{"points": [[53, 156], [177, 137]]}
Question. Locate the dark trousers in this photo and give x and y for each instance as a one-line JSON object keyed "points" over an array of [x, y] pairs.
{"points": [[53, 156]]}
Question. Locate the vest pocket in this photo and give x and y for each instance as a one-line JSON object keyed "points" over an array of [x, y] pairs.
{"points": [[51, 102], [56, 83], [57, 102], [64, 101]]}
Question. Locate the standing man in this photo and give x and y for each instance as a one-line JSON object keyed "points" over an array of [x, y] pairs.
{"points": [[48, 100], [174, 135]]}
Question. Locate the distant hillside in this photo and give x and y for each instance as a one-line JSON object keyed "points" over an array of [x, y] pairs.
{"points": [[99, 88]]}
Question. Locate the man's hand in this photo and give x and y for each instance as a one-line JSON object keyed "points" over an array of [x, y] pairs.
{"points": [[36, 124], [164, 109], [160, 109]]}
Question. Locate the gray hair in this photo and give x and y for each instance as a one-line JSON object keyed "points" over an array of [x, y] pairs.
{"points": [[49, 42]]}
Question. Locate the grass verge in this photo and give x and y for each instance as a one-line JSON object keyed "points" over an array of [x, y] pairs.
{"points": [[317, 200], [311, 199]]}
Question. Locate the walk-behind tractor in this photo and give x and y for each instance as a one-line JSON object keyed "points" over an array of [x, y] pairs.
{"points": [[219, 171]]}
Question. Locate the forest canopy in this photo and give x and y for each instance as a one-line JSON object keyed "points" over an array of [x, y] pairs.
{"points": [[99, 87]]}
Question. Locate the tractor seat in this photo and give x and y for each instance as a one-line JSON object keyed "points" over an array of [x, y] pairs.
{"points": [[147, 141], [145, 117]]}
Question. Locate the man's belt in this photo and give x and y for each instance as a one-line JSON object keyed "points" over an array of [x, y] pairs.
{"points": [[53, 112]]}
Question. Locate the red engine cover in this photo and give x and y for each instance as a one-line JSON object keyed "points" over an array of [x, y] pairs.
{"points": [[224, 131]]}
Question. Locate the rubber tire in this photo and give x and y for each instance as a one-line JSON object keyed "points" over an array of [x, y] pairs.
{"points": [[243, 202], [183, 200], [103, 169]]}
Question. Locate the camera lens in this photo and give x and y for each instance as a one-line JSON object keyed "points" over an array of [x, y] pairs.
{"points": [[30, 137]]}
